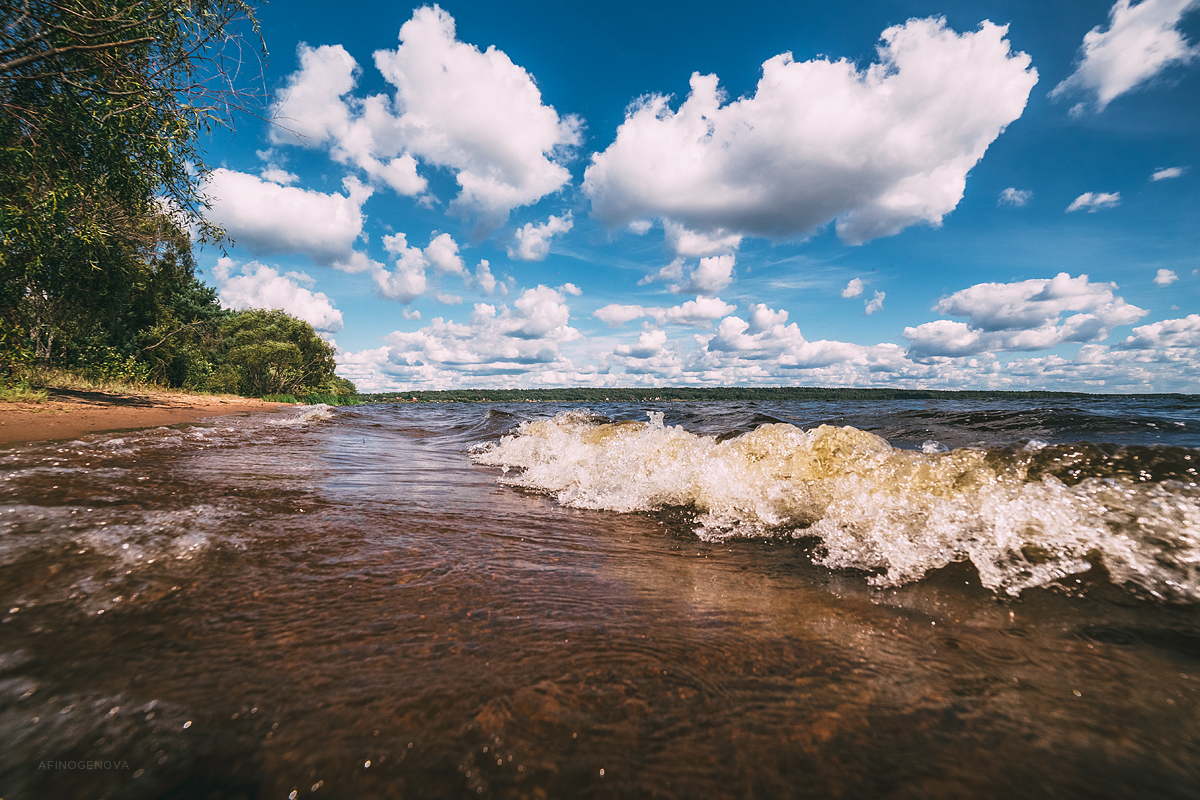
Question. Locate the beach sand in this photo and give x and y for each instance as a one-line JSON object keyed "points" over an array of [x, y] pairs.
{"points": [[68, 414]]}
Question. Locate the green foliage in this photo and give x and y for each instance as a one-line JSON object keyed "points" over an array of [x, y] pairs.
{"points": [[22, 392], [101, 106], [279, 398], [16, 354], [272, 352], [334, 399]]}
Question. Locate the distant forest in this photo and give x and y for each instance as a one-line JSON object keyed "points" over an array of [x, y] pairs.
{"points": [[679, 393]]}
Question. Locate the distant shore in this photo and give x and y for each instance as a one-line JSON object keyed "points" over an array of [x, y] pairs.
{"points": [[69, 414], [723, 393]]}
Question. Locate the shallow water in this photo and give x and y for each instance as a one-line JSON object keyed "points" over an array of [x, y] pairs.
{"points": [[363, 603]]}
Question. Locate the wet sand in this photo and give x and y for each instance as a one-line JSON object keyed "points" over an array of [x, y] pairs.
{"points": [[68, 414]]}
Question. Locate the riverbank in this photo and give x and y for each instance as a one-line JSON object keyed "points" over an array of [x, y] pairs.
{"points": [[69, 413]]}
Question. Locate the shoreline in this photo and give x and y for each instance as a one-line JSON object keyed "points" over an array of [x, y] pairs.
{"points": [[69, 414]]}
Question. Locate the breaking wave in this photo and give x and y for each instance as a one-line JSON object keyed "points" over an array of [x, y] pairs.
{"points": [[1024, 515]]}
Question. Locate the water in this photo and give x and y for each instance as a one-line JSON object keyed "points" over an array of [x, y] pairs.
{"points": [[677, 600]]}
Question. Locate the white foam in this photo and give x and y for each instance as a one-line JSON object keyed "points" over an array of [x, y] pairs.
{"points": [[896, 512], [314, 413]]}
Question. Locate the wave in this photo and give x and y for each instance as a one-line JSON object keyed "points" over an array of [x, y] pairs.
{"points": [[1025, 515], [318, 412]]}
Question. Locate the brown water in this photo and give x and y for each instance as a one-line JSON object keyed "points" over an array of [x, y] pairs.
{"points": [[350, 607]]}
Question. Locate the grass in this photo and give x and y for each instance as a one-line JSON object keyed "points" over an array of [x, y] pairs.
{"points": [[22, 393], [333, 399], [43, 381], [40, 381]]}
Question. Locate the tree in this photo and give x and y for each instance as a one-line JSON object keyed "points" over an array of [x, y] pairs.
{"points": [[272, 352], [102, 103]]}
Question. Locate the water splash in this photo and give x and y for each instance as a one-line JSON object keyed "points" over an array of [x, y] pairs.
{"points": [[1024, 516]]}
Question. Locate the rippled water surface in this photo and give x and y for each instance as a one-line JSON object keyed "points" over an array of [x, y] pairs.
{"points": [[944, 599]]}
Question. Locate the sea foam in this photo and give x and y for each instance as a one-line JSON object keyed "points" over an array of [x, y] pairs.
{"points": [[897, 513]]}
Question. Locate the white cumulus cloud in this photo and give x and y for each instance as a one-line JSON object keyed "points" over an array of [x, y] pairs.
{"points": [[533, 240], [1165, 277], [874, 304], [270, 218], [315, 108], [694, 313], [1094, 201], [256, 285], [1141, 41], [876, 150], [478, 114], [1170, 333], [473, 112], [854, 288], [517, 344], [407, 281], [1022, 316], [709, 276]]}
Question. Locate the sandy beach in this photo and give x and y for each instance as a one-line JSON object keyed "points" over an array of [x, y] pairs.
{"points": [[68, 414]]}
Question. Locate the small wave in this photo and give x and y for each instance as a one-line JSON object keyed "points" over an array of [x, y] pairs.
{"points": [[315, 413], [897, 513]]}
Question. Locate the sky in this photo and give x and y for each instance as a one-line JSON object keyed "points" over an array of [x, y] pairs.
{"points": [[991, 194]]}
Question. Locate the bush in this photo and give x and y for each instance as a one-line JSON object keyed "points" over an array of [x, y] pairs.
{"points": [[272, 352]]}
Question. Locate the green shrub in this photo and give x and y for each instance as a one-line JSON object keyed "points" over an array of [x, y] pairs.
{"points": [[272, 352], [279, 398], [334, 399]]}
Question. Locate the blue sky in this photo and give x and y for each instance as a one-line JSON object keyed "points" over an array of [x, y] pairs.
{"points": [[971, 195]]}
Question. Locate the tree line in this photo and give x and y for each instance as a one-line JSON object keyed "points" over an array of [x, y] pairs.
{"points": [[103, 104], [696, 393]]}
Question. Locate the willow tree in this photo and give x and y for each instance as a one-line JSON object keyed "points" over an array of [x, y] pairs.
{"points": [[102, 106]]}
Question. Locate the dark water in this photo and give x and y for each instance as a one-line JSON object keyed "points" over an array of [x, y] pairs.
{"points": [[364, 603]]}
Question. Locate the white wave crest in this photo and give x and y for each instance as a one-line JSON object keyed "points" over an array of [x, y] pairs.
{"points": [[314, 413], [896, 512]]}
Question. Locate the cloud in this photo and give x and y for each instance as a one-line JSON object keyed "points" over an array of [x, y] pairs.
{"points": [[853, 288], [874, 304], [1168, 172], [1015, 197], [1094, 201], [260, 286], [649, 344], [1141, 42], [442, 254], [1170, 333], [269, 218], [694, 313], [710, 276], [315, 108], [484, 278], [876, 150], [518, 344], [533, 241], [477, 114], [1165, 277], [407, 281], [1021, 316], [690, 244], [281, 176]]}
